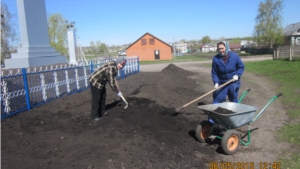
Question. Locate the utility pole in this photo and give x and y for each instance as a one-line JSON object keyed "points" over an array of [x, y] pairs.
{"points": [[174, 48]]}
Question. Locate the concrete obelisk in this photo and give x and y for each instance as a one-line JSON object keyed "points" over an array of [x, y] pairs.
{"points": [[72, 46], [36, 49]]}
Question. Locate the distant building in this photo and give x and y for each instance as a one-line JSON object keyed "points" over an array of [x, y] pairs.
{"points": [[148, 47], [208, 48], [235, 47], [182, 47], [122, 53], [292, 34]]}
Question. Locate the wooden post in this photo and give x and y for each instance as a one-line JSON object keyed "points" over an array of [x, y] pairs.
{"points": [[274, 54], [277, 53], [291, 57]]}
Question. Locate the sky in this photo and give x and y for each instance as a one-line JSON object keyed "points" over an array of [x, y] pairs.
{"points": [[124, 21]]}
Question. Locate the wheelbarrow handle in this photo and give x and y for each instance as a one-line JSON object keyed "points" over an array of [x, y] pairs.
{"points": [[244, 94], [273, 98]]}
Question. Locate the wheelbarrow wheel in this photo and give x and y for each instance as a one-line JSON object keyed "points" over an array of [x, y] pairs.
{"points": [[202, 131], [230, 141]]}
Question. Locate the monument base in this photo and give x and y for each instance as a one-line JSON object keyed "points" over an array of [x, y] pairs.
{"points": [[34, 57], [34, 61]]}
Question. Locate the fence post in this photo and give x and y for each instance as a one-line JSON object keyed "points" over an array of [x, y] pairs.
{"points": [[26, 88], [122, 73], [138, 60], [92, 67], [291, 57], [274, 54]]}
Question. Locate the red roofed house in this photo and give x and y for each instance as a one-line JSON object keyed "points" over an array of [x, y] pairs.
{"points": [[148, 48], [235, 47]]}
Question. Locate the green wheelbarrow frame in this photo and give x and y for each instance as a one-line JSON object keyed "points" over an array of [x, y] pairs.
{"points": [[245, 116]]}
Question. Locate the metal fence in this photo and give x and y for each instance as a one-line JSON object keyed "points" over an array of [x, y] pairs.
{"points": [[23, 89]]}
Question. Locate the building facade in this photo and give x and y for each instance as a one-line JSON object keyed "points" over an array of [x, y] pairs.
{"points": [[149, 48]]}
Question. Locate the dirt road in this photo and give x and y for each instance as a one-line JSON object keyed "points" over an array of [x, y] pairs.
{"points": [[190, 66]]}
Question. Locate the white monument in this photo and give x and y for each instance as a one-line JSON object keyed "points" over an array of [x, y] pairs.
{"points": [[36, 49], [72, 45]]}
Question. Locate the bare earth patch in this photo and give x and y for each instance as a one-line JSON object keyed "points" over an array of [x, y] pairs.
{"points": [[147, 134]]}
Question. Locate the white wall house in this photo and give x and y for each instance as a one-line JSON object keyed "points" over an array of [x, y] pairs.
{"points": [[208, 48], [182, 47]]}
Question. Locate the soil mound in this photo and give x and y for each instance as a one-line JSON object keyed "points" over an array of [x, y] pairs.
{"points": [[145, 135], [172, 87], [59, 134], [172, 69]]}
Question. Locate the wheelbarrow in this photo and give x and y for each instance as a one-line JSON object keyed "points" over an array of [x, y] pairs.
{"points": [[223, 119]]}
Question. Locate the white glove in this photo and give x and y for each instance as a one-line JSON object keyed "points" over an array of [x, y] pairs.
{"points": [[235, 77], [120, 94], [216, 86]]}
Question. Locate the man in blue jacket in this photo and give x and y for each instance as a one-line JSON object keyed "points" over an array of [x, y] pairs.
{"points": [[226, 65]]}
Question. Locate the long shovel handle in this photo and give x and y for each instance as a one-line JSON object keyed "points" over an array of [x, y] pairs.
{"points": [[178, 109], [124, 101]]}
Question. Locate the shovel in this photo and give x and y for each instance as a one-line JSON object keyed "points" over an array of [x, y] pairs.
{"points": [[124, 101], [178, 109]]}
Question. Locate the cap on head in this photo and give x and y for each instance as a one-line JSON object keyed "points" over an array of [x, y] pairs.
{"points": [[121, 61]]}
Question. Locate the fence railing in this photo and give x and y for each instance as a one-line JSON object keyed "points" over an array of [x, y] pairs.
{"points": [[23, 89], [287, 52]]}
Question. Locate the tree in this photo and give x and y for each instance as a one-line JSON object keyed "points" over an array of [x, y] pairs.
{"points": [[57, 29], [248, 38], [103, 48], [98, 46], [206, 40], [93, 47], [268, 28], [9, 34], [235, 40]]}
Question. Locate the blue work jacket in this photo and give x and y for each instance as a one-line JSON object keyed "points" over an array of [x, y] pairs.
{"points": [[222, 72]]}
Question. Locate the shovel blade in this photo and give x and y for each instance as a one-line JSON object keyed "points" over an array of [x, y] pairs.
{"points": [[178, 109]]}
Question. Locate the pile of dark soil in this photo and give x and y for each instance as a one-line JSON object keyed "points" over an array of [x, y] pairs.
{"points": [[60, 134]]}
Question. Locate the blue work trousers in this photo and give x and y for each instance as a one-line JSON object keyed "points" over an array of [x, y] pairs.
{"points": [[231, 90]]}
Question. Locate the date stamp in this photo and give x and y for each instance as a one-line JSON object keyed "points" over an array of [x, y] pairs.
{"points": [[244, 165]]}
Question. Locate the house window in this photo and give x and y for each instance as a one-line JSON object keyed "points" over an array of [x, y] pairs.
{"points": [[144, 42], [151, 41]]}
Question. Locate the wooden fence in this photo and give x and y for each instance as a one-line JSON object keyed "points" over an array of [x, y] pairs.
{"points": [[287, 52]]}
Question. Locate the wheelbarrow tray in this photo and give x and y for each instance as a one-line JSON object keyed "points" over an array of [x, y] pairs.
{"points": [[237, 115]]}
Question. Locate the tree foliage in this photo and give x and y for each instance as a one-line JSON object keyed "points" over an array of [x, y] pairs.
{"points": [[268, 28], [57, 29], [9, 34], [97, 48], [235, 40], [206, 40]]}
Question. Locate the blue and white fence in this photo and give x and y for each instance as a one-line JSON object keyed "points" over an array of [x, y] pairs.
{"points": [[23, 89]]}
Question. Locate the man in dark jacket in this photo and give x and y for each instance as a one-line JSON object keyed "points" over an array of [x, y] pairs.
{"points": [[226, 66], [98, 79]]}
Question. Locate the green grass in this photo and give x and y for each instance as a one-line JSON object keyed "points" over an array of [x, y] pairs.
{"points": [[286, 73], [293, 163]]}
